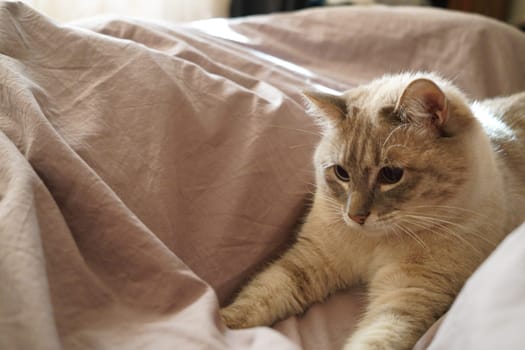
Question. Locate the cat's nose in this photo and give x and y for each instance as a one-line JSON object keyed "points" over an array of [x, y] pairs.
{"points": [[360, 219]]}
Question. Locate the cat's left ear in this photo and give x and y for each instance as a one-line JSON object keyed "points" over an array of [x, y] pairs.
{"points": [[423, 102], [329, 108]]}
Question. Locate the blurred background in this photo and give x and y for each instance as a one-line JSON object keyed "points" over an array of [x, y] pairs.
{"points": [[511, 11]]}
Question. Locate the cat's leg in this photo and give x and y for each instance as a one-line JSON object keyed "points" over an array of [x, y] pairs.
{"points": [[402, 306], [303, 275]]}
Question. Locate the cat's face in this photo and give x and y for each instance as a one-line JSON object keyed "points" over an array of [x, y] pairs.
{"points": [[393, 158]]}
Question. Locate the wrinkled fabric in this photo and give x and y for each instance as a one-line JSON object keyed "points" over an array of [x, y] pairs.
{"points": [[147, 169], [490, 310]]}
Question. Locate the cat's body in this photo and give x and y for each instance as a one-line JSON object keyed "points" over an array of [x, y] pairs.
{"points": [[412, 194]]}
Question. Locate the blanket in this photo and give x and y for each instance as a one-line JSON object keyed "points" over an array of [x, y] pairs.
{"points": [[147, 168]]}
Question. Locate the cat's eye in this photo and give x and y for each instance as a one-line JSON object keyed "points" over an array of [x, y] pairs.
{"points": [[390, 175], [341, 173]]}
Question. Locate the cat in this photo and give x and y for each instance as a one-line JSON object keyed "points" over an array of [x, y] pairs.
{"points": [[415, 186]]}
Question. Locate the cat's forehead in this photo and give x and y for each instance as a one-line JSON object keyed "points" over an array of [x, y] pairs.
{"points": [[370, 100], [365, 136], [387, 90], [370, 113], [372, 131]]}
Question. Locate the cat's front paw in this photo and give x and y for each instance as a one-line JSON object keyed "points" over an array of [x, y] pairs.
{"points": [[234, 317]]}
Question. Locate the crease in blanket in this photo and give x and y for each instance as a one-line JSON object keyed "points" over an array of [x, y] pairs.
{"points": [[105, 274], [28, 316]]}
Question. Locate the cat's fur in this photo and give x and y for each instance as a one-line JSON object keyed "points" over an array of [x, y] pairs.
{"points": [[461, 192]]}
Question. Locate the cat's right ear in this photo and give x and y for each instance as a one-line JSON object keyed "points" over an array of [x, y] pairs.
{"points": [[326, 107]]}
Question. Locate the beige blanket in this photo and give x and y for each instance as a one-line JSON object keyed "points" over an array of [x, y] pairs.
{"points": [[146, 169]]}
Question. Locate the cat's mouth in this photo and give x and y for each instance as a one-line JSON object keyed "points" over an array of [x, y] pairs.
{"points": [[370, 225], [373, 224]]}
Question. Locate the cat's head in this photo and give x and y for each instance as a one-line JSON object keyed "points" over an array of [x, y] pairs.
{"points": [[397, 154]]}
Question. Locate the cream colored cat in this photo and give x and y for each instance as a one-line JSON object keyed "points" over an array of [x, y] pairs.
{"points": [[415, 187]]}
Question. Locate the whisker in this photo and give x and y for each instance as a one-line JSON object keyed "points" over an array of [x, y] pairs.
{"points": [[394, 227], [390, 135], [446, 207], [427, 227], [413, 235], [449, 208], [301, 145], [448, 230], [463, 228], [309, 132]]}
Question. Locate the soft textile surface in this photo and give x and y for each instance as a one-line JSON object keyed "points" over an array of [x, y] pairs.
{"points": [[147, 169], [490, 311]]}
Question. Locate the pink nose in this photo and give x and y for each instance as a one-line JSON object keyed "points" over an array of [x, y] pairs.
{"points": [[360, 219]]}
